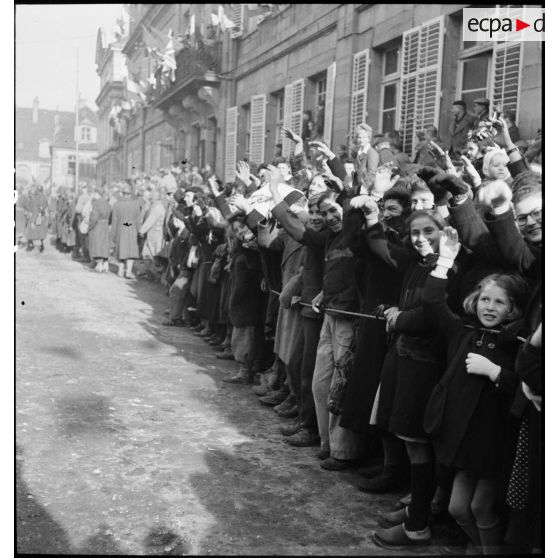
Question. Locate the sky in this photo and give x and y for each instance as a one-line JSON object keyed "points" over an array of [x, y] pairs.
{"points": [[46, 41]]}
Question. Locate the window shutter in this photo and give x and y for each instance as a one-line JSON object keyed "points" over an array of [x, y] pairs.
{"points": [[359, 89], [238, 20], [328, 110], [297, 106], [506, 76], [257, 129], [287, 111], [230, 144], [421, 73]]}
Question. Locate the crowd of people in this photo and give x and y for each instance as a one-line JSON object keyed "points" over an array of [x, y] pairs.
{"points": [[388, 306]]}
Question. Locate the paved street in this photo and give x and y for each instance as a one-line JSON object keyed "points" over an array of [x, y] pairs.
{"points": [[128, 442]]}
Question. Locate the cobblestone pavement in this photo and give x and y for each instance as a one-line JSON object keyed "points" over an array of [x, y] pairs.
{"points": [[128, 442]]}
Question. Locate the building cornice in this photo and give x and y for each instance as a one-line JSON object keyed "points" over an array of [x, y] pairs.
{"points": [[117, 86]]}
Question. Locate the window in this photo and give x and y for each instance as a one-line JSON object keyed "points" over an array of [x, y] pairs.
{"points": [[279, 114], [321, 87], [389, 107], [474, 82], [71, 165], [390, 89], [85, 134], [391, 61]]}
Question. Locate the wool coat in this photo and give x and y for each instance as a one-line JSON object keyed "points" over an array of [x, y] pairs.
{"points": [[414, 362], [246, 297], [153, 228], [99, 236], [379, 284], [476, 418], [289, 320], [124, 228], [36, 205]]}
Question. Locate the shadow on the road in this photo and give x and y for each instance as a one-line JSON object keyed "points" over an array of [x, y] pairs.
{"points": [[38, 533], [84, 414], [259, 509], [36, 530], [68, 352]]}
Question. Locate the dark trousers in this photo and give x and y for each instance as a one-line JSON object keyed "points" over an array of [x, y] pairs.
{"points": [[305, 350]]}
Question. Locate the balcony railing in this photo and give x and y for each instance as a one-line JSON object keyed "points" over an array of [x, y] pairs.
{"points": [[192, 63]]}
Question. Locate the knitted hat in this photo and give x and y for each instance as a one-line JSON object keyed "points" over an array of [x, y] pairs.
{"points": [[489, 155]]}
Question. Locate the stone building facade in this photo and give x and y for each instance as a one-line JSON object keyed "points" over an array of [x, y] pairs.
{"points": [[395, 66]]}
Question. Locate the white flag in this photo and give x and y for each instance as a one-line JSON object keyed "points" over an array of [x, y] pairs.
{"points": [[225, 22]]}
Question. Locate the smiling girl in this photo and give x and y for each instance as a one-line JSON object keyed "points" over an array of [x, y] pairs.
{"points": [[413, 365], [480, 382]]}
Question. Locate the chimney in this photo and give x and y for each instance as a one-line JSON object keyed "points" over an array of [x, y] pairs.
{"points": [[35, 110]]}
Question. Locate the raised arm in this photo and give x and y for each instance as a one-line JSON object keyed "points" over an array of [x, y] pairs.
{"points": [[435, 299], [501, 223]]}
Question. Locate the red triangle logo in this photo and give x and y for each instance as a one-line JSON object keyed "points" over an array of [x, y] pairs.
{"points": [[519, 25]]}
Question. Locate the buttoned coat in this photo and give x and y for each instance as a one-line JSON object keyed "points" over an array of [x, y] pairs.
{"points": [[99, 238], [124, 228]]}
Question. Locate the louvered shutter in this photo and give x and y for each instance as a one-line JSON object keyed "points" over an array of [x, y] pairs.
{"points": [[237, 19], [328, 110], [287, 111], [230, 143], [297, 107], [506, 76], [359, 89], [257, 129], [421, 73]]}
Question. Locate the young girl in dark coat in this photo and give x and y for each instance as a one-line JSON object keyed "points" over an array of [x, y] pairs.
{"points": [[480, 386]]}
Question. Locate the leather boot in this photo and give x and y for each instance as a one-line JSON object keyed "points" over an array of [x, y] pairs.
{"points": [[275, 397], [304, 438], [243, 376], [226, 354], [290, 429], [285, 405]]}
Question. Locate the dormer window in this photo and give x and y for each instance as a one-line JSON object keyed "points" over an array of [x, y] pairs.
{"points": [[85, 134]]}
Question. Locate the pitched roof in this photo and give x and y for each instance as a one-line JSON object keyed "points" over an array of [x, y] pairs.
{"points": [[29, 134]]}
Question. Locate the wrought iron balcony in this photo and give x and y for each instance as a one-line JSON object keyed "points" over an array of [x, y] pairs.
{"points": [[196, 66]]}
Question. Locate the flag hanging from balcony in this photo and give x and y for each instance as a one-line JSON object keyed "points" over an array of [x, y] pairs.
{"points": [[169, 59]]}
